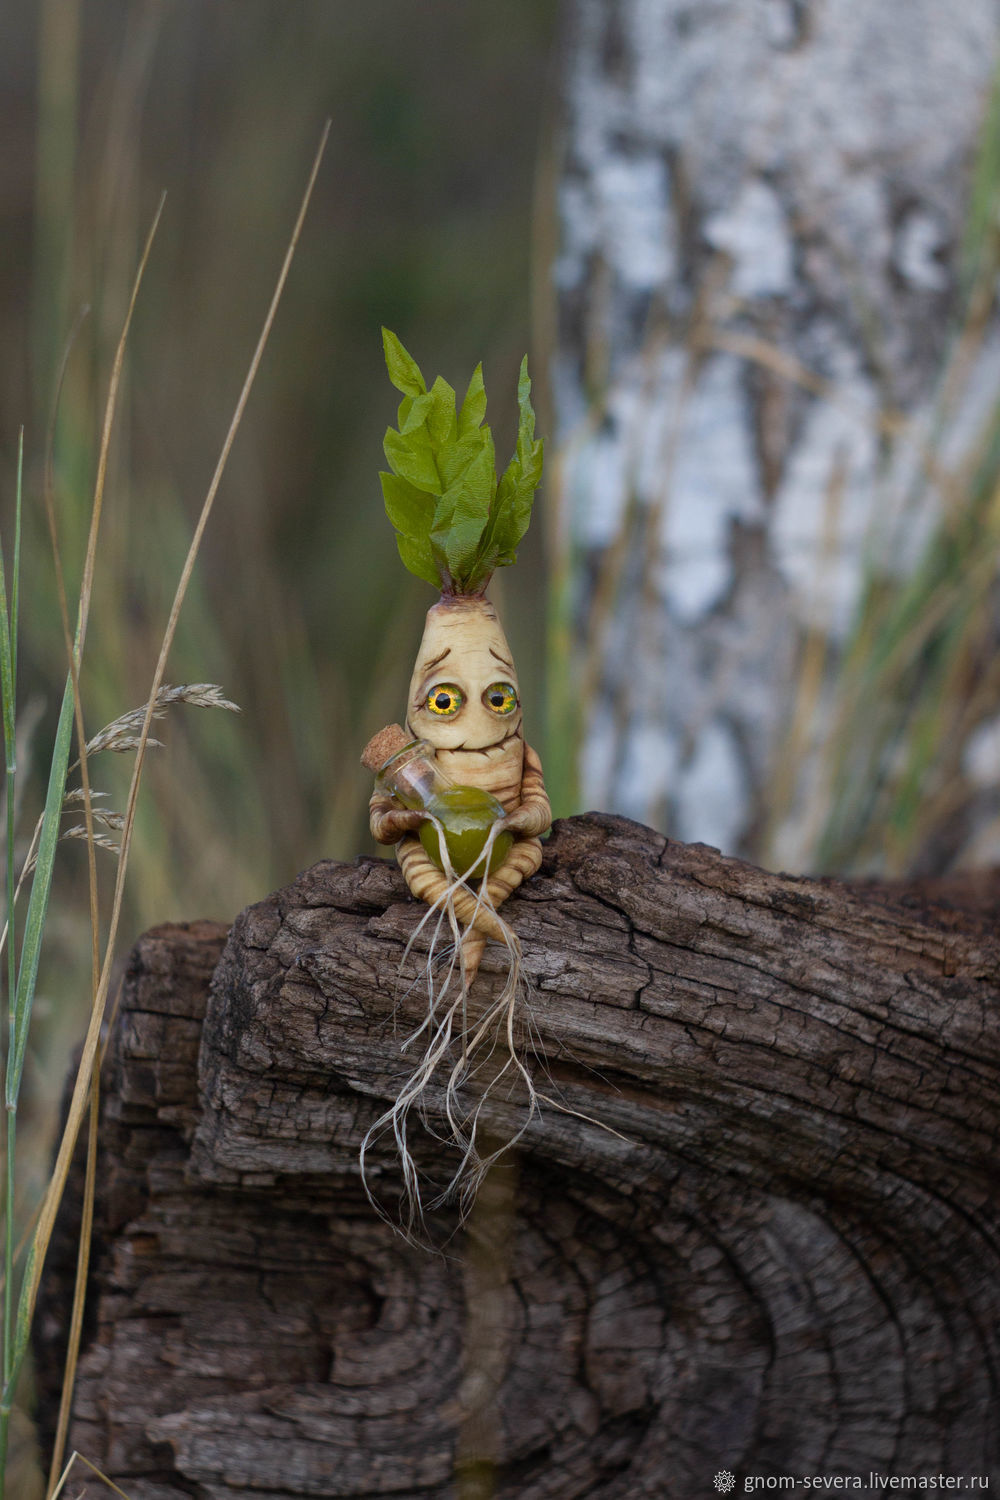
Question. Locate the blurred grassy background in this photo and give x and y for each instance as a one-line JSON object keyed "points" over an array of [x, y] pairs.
{"points": [[421, 220]]}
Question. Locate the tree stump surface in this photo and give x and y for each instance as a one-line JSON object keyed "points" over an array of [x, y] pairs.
{"points": [[788, 1267]]}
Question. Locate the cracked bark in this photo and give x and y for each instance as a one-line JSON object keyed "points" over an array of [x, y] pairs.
{"points": [[790, 1267]]}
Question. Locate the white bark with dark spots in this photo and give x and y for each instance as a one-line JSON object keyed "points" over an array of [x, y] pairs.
{"points": [[740, 181]]}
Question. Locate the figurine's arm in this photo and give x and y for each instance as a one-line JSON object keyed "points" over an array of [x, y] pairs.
{"points": [[430, 884], [389, 821], [533, 814]]}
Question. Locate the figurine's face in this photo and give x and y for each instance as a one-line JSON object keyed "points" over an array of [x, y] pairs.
{"points": [[464, 692]]}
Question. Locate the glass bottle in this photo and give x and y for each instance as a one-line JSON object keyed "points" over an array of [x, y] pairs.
{"points": [[466, 813]]}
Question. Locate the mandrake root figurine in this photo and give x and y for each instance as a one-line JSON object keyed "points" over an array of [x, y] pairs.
{"points": [[458, 790], [471, 717]]}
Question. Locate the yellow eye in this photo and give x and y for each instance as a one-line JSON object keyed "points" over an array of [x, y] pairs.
{"points": [[444, 700], [501, 697]]}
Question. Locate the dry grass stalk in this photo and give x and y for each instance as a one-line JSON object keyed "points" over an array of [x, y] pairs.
{"points": [[75, 1458], [85, 1087]]}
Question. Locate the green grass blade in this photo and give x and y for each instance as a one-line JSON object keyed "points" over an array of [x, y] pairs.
{"points": [[15, 578], [31, 943], [980, 221], [8, 694], [22, 1332], [6, 669]]}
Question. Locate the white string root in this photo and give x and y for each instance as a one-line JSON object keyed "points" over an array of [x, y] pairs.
{"points": [[468, 1061]]}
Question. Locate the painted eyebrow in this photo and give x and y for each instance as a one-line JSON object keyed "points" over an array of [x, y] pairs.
{"points": [[501, 659], [429, 665]]}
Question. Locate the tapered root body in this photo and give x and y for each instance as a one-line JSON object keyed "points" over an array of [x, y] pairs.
{"points": [[464, 700], [464, 647], [464, 660], [430, 884]]}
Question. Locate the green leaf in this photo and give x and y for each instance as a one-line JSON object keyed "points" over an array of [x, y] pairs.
{"points": [[413, 412], [515, 496], [410, 510], [478, 480], [458, 524], [441, 425], [460, 517], [528, 451], [411, 456], [418, 556], [510, 513], [404, 372], [475, 455], [474, 524], [473, 405]]}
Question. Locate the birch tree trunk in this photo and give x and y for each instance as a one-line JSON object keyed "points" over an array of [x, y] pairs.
{"points": [[762, 213]]}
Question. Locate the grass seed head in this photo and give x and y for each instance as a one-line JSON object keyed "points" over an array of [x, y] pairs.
{"points": [[125, 733]]}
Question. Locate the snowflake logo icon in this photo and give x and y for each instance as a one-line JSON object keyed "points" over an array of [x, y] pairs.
{"points": [[724, 1481]]}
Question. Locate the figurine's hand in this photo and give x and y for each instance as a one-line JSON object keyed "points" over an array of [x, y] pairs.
{"points": [[393, 824], [523, 820]]}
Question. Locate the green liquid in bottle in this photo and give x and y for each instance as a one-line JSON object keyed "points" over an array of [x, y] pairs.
{"points": [[467, 814]]}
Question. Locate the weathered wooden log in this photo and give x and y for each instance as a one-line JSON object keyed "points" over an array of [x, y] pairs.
{"points": [[788, 1267]]}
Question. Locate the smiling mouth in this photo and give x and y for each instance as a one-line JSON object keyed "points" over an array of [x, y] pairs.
{"points": [[494, 745], [515, 734]]}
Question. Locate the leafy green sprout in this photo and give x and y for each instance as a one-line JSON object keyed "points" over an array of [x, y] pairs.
{"points": [[455, 521]]}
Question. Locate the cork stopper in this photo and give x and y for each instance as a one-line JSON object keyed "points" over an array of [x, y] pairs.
{"points": [[379, 748]]}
